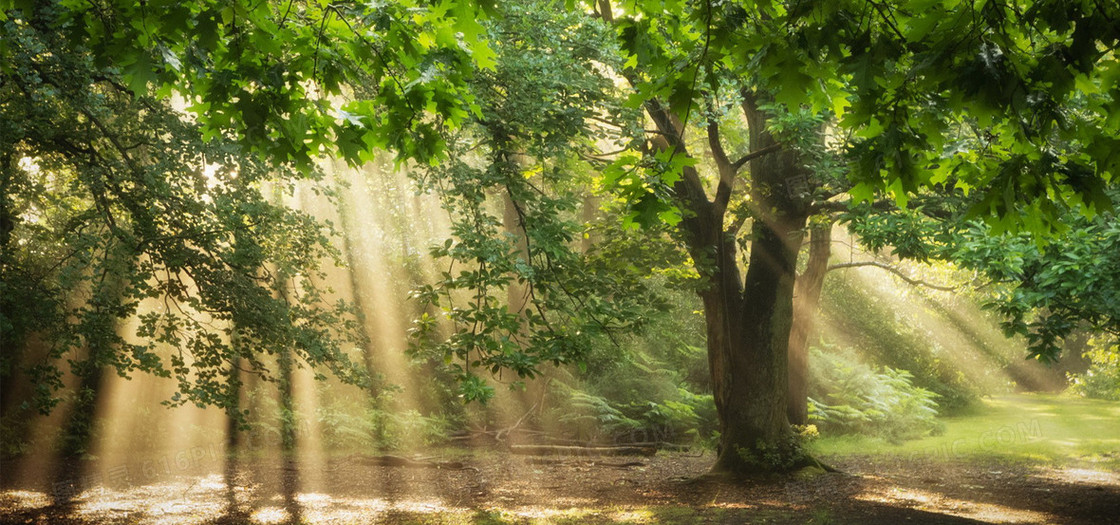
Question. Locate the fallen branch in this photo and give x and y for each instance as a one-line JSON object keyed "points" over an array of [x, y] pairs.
{"points": [[398, 461], [562, 450], [550, 461], [659, 445]]}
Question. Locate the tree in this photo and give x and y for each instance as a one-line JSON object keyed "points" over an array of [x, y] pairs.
{"points": [[115, 206], [893, 81], [518, 291]]}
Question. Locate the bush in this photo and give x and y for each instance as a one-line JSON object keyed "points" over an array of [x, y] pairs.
{"points": [[847, 396], [1102, 380], [681, 417]]}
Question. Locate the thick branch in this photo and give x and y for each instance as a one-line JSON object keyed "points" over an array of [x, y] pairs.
{"points": [[894, 270], [726, 170], [689, 188], [826, 206], [737, 165]]}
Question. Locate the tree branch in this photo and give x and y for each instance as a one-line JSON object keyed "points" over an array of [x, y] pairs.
{"points": [[755, 154], [726, 170], [894, 270]]}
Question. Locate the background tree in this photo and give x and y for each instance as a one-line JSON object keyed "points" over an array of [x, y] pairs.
{"points": [[116, 207], [518, 291]]}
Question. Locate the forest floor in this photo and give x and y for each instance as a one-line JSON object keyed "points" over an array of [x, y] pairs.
{"points": [[998, 473]]}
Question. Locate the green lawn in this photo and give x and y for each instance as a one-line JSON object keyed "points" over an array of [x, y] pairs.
{"points": [[1035, 427]]}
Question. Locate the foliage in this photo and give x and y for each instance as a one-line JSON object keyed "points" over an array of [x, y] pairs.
{"points": [[517, 291], [850, 397], [1043, 287], [1032, 83], [1011, 103], [888, 337], [678, 416], [1044, 292], [380, 429], [266, 72], [652, 386], [115, 207], [1102, 380]]}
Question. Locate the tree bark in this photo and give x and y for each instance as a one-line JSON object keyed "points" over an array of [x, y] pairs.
{"points": [[747, 320], [751, 363], [806, 302]]}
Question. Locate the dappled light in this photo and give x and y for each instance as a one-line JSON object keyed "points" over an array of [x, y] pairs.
{"points": [[982, 512]]}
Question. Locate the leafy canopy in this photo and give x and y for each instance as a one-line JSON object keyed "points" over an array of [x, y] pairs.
{"points": [[1014, 101], [115, 209]]}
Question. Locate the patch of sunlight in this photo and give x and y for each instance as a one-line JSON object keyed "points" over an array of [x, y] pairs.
{"points": [[213, 482], [165, 503], [25, 499], [422, 507], [312, 499], [321, 508], [547, 514], [940, 504], [186, 511], [573, 502], [270, 515], [637, 515], [1081, 476], [538, 513]]}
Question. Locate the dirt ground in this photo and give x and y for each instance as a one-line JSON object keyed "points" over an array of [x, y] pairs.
{"points": [[493, 488]]}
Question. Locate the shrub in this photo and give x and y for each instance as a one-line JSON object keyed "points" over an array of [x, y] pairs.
{"points": [[681, 416], [1102, 380], [847, 396]]}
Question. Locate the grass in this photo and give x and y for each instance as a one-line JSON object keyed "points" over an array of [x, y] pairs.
{"points": [[1044, 428]]}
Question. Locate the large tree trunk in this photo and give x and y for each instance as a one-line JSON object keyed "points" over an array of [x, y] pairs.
{"points": [[806, 302], [748, 324], [748, 321], [748, 334]]}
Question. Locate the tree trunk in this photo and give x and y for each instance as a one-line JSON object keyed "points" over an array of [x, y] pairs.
{"points": [[748, 335], [517, 294], [747, 321], [806, 302], [748, 324]]}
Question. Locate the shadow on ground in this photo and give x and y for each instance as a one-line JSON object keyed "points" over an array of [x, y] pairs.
{"points": [[500, 489]]}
